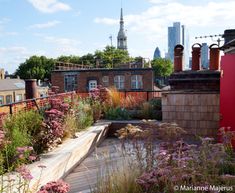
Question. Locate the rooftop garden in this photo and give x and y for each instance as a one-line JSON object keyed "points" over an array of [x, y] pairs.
{"points": [[162, 160]]}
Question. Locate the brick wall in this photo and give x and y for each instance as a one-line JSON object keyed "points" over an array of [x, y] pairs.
{"points": [[57, 79], [83, 76], [197, 113]]}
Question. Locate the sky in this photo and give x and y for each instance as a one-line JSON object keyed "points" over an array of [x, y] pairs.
{"points": [[77, 27]]}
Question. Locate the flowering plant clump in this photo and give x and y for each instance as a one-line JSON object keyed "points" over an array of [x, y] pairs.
{"points": [[99, 94], [184, 164], [24, 173], [55, 187], [25, 155], [174, 162], [52, 130]]}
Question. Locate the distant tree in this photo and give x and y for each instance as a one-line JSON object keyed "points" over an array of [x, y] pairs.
{"points": [[70, 59], [36, 67], [112, 57], [162, 67], [88, 59]]}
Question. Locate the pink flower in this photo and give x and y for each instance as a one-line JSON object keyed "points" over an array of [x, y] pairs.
{"points": [[55, 186], [32, 157], [25, 173], [21, 156]]}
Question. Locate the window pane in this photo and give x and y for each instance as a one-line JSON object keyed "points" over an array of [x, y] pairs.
{"points": [[18, 97], [136, 82], [8, 99], [121, 85], [1, 100], [119, 81], [70, 82]]}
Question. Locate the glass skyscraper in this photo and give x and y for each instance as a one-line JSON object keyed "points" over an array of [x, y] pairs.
{"points": [[205, 56], [178, 34]]}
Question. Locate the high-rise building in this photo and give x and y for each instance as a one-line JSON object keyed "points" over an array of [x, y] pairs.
{"points": [[205, 56], [122, 38], [157, 53], [178, 34]]}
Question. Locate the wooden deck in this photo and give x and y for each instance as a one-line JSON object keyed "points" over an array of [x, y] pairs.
{"points": [[108, 155]]}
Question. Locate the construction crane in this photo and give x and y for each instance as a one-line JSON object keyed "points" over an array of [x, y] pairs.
{"points": [[212, 38]]}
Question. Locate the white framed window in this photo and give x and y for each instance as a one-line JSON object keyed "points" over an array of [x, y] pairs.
{"points": [[19, 97], [136, 82], [1, 100], [105, 80], [70, 82], [119, 81], [92, 84], [8, 99]]}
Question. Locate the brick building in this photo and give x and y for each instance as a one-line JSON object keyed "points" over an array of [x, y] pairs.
{"points": [[83, 80]]}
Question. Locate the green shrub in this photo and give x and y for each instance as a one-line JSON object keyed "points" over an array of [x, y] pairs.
{"points": [[96, 110], [84, 115], [146, 110], [20, 130], [150, 110], [70, 126], [156, 104], [117, 113], [29, 122], [18, 138]]}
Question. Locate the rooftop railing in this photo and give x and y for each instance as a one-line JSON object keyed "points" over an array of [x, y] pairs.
{"points": [[44, 102]]}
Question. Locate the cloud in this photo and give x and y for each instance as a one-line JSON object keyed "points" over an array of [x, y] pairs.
{"points": [[107, 21], [11, 33], [152, 23], [49, 6], [62, 46], [4, 20], [3, 32], [11, 57], [49, 24], [13, 49]]}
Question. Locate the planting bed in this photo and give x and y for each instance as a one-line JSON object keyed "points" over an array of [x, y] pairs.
{"points": [[62, 160], [59, 162]]}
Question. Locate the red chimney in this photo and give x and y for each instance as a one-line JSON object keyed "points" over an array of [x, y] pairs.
{"points": [[214, 57], [196, 57], [31, 88], [178, 58]]}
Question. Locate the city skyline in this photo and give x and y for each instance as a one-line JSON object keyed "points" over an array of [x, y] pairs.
{"points": [[178, 34], [56, 27]]}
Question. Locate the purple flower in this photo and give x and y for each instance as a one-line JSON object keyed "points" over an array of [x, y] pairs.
{"points": [[25, 173]]}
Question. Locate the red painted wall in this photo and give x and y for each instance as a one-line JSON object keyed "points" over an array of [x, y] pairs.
{"points": [[227, 92]]}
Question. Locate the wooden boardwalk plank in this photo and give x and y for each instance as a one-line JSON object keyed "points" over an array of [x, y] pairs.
{"points": [[108, 156]]}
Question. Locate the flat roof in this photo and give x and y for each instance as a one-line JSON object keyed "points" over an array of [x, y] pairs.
{"points": [[12, 84], [104, 69]]}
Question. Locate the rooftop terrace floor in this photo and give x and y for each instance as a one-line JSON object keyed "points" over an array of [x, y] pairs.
{"points": [[105, 158]]}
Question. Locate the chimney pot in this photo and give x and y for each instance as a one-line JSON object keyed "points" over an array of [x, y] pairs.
{"points": [[178, 58], [196, 57], [214, 57]]}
